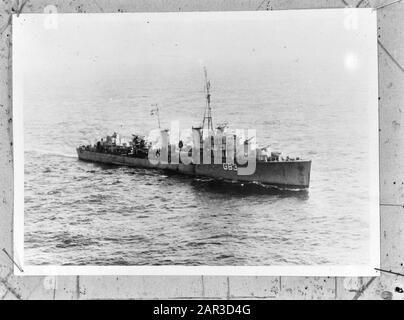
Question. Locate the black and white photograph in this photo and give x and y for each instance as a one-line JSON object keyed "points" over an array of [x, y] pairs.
{"points": [[241, 143]]}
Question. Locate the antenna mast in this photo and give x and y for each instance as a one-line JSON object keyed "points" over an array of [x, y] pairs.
{"points": [[208, 109], [156, 111]]}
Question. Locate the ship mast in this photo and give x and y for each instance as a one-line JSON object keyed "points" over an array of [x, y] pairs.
{"points": [[207, 116], [154, 111]]}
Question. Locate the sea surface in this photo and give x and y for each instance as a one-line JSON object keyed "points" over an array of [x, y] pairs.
{"points": [[80, 213]]}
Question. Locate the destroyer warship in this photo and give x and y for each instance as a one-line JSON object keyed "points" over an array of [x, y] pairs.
{"points": [[208, 155]]}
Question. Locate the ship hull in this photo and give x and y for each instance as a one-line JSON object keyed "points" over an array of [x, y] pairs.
{"points": [[287, 174]]}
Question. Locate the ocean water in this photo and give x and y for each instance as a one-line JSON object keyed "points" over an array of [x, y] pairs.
{"points": [[79, 213]]}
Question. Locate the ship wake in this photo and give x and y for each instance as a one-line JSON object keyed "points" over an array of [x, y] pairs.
{"points": [[246, 188], [43, 152]]}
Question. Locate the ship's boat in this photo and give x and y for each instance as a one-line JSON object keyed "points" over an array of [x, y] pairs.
{"points": [[214, 153]]}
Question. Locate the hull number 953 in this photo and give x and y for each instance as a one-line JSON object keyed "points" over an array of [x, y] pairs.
{"points": [[230, 166]]}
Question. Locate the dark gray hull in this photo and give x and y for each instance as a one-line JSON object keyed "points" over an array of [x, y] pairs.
{"points": [[287, 174]]}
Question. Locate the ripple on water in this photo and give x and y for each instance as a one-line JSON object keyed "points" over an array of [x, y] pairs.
{"points": [[84, 213]]}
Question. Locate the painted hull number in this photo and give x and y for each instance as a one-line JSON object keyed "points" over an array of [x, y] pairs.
{"points": [[230, 166]]}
